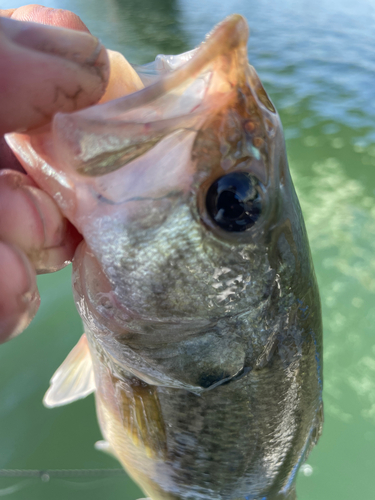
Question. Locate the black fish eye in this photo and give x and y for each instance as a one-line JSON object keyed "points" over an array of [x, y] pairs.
{"points": [[233, 201]]}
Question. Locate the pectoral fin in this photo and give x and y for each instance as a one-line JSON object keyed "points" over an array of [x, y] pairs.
{"points": [[74, 379]]}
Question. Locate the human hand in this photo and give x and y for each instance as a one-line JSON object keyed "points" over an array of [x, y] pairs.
{"points": [[43, 70]]}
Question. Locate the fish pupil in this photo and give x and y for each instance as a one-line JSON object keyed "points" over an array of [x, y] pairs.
{"points": [[233, 201]]}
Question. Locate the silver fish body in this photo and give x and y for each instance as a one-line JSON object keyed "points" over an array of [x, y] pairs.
{"points": [[205, 337]]}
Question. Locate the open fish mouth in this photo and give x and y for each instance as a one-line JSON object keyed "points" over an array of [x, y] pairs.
{"points": [[144, 167], [185, 89]]}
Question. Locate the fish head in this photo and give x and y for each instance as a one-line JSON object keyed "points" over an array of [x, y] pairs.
{"points": [[183, 195]]}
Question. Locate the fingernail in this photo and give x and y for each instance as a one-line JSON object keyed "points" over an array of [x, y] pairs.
{"points": [[76, 46]]}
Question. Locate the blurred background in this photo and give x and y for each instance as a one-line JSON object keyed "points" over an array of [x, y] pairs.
{"points": [[316, 60]]}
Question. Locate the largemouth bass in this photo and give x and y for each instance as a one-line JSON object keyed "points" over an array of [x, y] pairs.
{"points": [[194, 281]]}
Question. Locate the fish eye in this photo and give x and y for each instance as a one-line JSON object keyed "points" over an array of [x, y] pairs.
{"points": [[233, 201]]}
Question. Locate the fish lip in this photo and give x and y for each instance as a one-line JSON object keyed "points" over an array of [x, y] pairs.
{"points": [[230, 34]]}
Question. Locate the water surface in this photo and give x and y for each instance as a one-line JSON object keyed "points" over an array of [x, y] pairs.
{"points": [[316, 60]]}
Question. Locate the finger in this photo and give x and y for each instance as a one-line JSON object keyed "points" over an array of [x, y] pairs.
{"points": [[31, 220], [46, 15], [44, 70], [19, 297], [7, 12]]}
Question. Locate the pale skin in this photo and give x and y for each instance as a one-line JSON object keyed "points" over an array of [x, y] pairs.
{"points": [[43, 70]]}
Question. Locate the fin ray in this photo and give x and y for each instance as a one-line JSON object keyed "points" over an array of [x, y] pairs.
{"points": [[74, 379]]}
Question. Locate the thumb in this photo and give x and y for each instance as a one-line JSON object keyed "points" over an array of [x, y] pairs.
{"points": [[45, 69]]}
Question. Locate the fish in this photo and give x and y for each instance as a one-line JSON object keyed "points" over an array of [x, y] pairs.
{"points": [[195, 283]]}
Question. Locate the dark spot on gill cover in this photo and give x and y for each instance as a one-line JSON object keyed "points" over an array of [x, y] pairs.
{"points": [[208, 379], [212, 380]]}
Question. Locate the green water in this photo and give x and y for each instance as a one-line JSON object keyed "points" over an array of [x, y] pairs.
{"points": [[317, 61]]}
